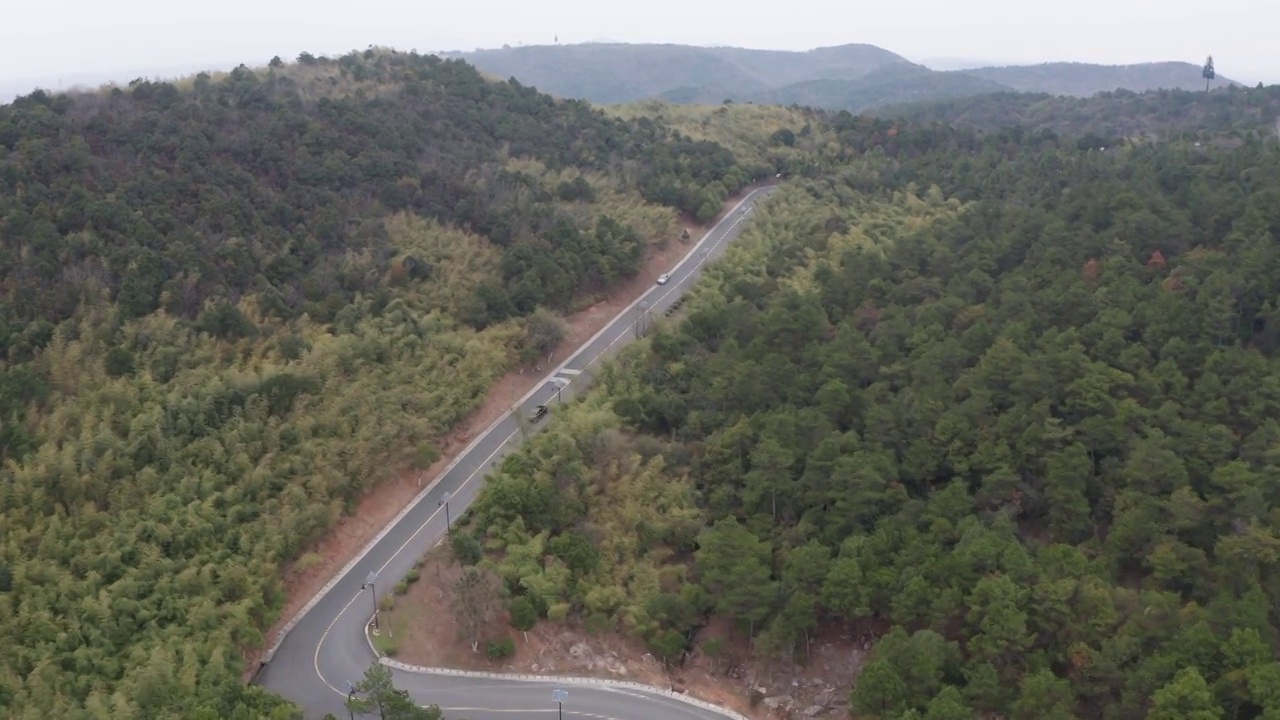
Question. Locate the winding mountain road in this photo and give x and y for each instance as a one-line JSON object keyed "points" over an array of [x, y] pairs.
{"points": [[324, 648]]}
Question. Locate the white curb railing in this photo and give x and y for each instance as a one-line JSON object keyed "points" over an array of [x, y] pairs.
{"points": [[550, 679]]}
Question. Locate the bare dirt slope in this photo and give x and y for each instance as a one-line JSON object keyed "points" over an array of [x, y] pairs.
{"points": [[426, 632]]}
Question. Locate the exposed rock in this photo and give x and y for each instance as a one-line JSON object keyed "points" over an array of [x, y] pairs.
{"points": [[814, 711], [579, 651], [782, 701]]}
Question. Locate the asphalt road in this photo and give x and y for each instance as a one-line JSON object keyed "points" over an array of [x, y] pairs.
{"points": [[326, 648]]}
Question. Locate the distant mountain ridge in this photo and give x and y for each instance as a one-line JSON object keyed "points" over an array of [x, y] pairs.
{"points": [[853, 77], [1087, 79], [611, 73]]}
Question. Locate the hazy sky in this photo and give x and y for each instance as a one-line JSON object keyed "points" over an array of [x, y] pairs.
{"points": [[69, 41]]}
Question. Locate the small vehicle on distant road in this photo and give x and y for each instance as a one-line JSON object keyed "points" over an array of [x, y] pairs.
{"points": [[664, 278], [538, 413]]}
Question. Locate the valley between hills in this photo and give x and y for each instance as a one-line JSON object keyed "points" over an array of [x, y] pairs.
{"points": [[975, 419]]}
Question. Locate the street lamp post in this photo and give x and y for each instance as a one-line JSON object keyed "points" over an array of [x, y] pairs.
{"points": [[368, 584], [559, 696], [444, 501], [351, 695], [644, 310]]}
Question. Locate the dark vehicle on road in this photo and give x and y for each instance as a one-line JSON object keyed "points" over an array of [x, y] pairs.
{"points": [[538, 413]]}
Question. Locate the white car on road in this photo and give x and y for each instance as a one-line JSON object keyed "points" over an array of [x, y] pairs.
{"points": [[663, 278]]}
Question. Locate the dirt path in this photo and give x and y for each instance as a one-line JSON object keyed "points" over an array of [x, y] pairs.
{"points": [[381, 504]]}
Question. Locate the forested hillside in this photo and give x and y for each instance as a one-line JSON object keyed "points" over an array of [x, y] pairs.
{"points": [[1009, 404], [888, 85], [790, 139], [230, 305], [1121, 114]]}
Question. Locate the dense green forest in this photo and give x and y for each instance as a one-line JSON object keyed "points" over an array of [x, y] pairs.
{"points": [[793, 140], [231, 304], [1008, 401], [1157, 114]]}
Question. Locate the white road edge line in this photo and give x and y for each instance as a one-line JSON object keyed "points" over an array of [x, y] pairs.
{"points": [[537, 711], [621, 316], [651, 692], [293, 622], [320, 643], [316, 658]]}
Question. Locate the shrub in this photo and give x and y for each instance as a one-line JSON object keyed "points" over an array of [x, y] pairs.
{"points": [[500, 649], [668, 645], [466, 548], [523, 614], [597, 623], [425, 456], [308, 561]]}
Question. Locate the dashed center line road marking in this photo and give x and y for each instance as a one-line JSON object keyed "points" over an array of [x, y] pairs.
{"points": [[461, 485], [396, 554]]}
